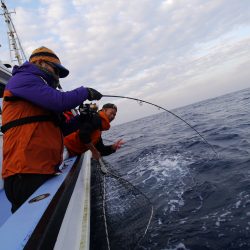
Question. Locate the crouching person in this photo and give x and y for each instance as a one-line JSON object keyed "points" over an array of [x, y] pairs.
{"points": [[88, 137]]}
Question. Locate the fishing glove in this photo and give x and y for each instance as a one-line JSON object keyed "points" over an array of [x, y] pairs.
{"points": [[94, 94]]}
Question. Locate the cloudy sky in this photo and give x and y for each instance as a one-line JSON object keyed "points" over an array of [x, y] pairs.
{"points": [[169, 52]]}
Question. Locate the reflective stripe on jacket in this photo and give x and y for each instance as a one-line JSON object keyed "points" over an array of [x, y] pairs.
{"points": [[30, 148]]}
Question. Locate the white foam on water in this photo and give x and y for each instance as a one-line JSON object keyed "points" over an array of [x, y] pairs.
{"points": [[179, 246], [162, 166], [237, 204], [159, 221], [225, 214], [168, 173]]}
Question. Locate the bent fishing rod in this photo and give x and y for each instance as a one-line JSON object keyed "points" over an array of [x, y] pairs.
{"points": [[170, 112]]}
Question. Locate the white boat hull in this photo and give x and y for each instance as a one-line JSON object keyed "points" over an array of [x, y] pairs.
{"points": [[47, 222]]}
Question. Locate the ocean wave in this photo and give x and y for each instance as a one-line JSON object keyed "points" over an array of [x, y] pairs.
{"points": [[201, 199]]}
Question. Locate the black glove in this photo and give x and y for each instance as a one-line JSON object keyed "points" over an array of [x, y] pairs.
{"points": [[93, 94]]}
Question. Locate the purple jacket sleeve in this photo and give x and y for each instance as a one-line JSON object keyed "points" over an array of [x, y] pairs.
{"points": [[34, 89]]}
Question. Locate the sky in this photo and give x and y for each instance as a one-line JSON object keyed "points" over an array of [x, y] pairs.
{"points": [[168, 52]]}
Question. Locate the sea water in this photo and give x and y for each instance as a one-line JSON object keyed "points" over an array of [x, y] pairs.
{"points": [[201, 198]]}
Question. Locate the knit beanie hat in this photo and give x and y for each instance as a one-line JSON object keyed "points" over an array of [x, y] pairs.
{"points": [[48, 55]]}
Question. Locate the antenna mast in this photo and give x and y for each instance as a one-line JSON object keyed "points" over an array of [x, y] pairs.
{"points": [[16, 50]]}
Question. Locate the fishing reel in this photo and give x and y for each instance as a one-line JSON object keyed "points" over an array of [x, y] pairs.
{"points": [[87, 111]]}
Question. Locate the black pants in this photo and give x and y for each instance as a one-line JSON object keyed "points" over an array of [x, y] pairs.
{"points": [[20, 187]]}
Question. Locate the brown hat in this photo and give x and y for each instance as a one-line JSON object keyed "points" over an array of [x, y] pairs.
{"points": [[48, 55]]}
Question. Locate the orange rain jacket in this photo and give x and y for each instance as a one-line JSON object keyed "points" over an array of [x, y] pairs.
{"points": [[38, 149]]}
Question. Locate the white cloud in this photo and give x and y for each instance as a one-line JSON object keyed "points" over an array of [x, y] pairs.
{"points": [[156, 50]]}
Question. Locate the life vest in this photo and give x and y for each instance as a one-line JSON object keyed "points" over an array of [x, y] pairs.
{"points": [[32, 146], [75, 146]]}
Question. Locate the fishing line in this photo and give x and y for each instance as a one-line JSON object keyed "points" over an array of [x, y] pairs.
{"points": [[170, 112], [211, 147], [104, 169], [180, 118]]}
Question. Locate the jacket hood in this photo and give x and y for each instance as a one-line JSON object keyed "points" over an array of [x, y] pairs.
{"points": [[31, 68]]}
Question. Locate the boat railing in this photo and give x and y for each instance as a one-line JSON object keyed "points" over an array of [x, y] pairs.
{"points": [[54, 218]]}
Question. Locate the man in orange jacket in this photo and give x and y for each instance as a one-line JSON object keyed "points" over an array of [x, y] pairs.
{"points": [[32, 123], [88, 137]]}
